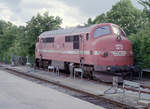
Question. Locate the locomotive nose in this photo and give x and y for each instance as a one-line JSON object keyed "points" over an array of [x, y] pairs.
{"points": [[118, 52], [122, 52]]}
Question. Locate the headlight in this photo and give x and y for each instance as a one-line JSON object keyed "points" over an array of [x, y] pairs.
{"points": [[104, 54], [118, 38], [108, 68]]}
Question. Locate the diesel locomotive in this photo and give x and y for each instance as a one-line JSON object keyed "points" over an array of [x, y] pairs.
{"points": [[96, 48]]}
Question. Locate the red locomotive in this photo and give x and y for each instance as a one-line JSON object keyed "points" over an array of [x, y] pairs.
{"points": [[100, 47]]}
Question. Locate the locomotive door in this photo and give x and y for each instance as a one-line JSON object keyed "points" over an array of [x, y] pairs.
{"points": [[81, 47], [40, 48], [78, 44], [40, 63]]}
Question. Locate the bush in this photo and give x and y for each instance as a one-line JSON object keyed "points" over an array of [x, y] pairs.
{"points": [[141, 48]]}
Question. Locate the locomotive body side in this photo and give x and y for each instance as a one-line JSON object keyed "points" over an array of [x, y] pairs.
{"points": [[99, 52]]}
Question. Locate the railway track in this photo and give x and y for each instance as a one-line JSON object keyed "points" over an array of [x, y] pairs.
{"points": [[95, 99]]}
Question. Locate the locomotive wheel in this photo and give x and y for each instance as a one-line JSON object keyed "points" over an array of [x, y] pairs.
{"points": [[67, 67], [91, 75], [40, 63], [37, 63], [45, 64], [88, 74]]}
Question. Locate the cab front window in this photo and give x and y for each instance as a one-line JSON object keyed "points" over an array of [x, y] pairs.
{"points": [[117, 31], [101, 31]]}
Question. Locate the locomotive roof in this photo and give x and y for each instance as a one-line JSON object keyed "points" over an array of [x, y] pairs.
{"points": [[68, 31]]}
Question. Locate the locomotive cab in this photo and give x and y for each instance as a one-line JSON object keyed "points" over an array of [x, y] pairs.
{"points": [[114, 50]]}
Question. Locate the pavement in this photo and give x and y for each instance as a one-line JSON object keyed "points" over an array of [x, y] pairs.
{"points": [[131, 98], [18, 93]]}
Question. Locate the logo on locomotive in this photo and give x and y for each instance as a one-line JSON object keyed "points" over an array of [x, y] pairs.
{"points": [[119, 47]]}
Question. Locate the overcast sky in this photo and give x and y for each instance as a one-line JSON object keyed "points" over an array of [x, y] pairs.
{"points": [[73, 12]]}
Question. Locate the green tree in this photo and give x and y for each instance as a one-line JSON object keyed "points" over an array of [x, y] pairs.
{"points": [[21, 40], [141, 47], [126, 15], [2, 26], [146, 4], [100, 19], [7, 36], [19, 46], [123, 14], [89, 22], [36, 26], [141, 40]]}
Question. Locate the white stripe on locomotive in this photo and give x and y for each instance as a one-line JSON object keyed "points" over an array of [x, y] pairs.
{"points": [[86, 52]]}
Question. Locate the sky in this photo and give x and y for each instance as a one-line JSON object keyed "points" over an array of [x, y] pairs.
{"points": [[73, 12]]}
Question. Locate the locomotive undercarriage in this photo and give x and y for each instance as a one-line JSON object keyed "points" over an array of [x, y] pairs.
{"points": [[90, 71], [66, 66]]}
